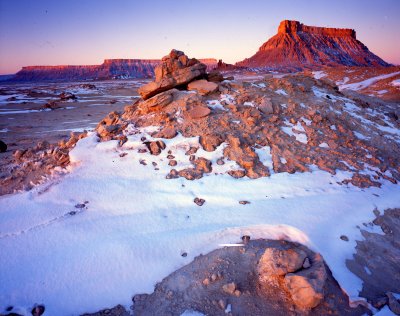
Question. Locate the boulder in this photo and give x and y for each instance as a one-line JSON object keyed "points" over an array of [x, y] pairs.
{"points": [[278, 262], [199, 112], [203, 87], [265, 106], [175, 70], [306, 287], [158, 101]]}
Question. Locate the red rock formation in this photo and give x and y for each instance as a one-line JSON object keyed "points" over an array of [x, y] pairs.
{"points": [[298, 46], [110, 69]]}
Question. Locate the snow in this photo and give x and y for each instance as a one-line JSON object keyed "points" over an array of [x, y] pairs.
{"points": [[382, 91], [319, 74], [190, 312], [396, 83], [385, 311], [300, 137], [366, 83], [215, 105], [136, 224], [324, 145], [281, 92], [4, 130]]}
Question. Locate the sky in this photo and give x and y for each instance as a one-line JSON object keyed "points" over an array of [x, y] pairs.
{"points": [[75, 32]]}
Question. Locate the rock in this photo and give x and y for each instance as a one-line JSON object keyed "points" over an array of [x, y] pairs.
{"points": [[393, 303], [156, 147], [38, 310], [229, 288], [244, 202], [245, 239], [278, 262], [175, 70], [199, 112], [166, 132], [215, 76], [172, 163], [306, 287], [220, 162], [210, 142], [203, 165], [306, 263], [199, 201], [158, 101], [344, 238], [3, 148], [265, 106], [203, 87], [65, 96], [237, 173]]}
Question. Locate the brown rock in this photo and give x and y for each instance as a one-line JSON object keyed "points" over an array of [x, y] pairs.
{"points": [[199, 201], [155, 147], [199, 112], [158, 101], [203, 87], [277, 262], [203, 165], [210, 142], [229, 288], [237, 173], [215, 76], [175, 70], [167, 132], [265, 106], [306, 287]]}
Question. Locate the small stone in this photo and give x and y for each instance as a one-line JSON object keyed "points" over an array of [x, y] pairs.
{"points": [[142, 151], [237, 173], [38, 310], [173, 174], [80, 206], [143, 162], [199, 112], [206, 281], [229, 288], [306, 263], [344, 237], [213, 277], [122, 154], [192, 158], [170, 156], [154, 163], [220, 162], [72, 213], [198, 201], [184, 254], [222, 304], [237, 293], [244, 202], [172, 163]]}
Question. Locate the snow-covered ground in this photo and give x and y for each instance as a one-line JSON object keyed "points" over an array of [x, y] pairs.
{"points": [[366, 83], [113, 226]]}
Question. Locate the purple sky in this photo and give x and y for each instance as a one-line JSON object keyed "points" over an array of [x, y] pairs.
{"points": [[50, 32]]}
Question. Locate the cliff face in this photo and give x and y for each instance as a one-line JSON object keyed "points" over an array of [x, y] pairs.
{"points": [[109, 69], [297, 46]]}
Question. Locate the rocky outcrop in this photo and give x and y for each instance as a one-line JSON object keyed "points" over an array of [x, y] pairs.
{"points": [[109, 69], [298, 46]]}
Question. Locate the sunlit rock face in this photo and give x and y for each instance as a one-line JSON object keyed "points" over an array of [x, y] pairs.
{"points": [[298, 46]]}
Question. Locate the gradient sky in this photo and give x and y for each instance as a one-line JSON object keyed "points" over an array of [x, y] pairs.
{"points": [[60, 32]]}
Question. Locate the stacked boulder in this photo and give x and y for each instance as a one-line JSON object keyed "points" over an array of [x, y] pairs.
{"points": [[177, 70]]}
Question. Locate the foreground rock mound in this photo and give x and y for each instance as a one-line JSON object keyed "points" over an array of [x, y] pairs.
{"points": [[297, 46], [232, 281], [288, 124]]}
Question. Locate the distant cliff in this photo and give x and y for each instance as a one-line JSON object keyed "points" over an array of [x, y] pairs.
{"points": [[109, 69], [298, 46]]}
